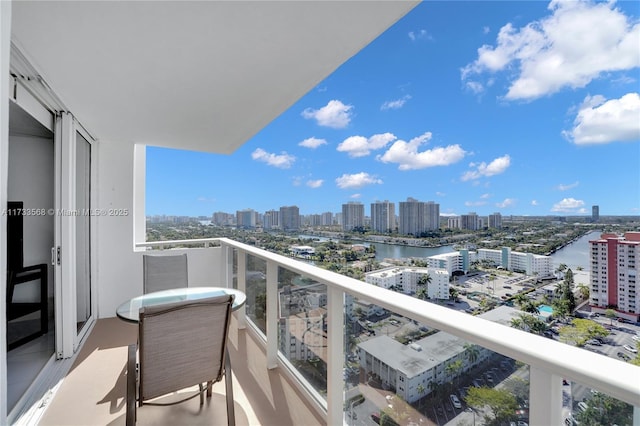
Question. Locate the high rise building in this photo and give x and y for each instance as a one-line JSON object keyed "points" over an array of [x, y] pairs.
{"points": [[271, 219], [246, 219], [470, 221], [495, 220], [595, 214], [327, 219], [383, 216], [352, 216], [417, 217], [615, 268], [290, 218]]}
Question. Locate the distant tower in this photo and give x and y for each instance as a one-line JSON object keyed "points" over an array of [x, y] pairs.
{"points": [[290, 218], [352, 216], [595, 214], [383, 216]]}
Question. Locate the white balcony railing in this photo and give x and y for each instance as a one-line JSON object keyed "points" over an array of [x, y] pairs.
{"points": [[550, 361]]}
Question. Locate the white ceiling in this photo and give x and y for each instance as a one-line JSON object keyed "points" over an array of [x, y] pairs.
{"points": [[200, 75]]}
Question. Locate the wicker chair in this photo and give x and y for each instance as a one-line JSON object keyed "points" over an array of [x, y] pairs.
{"points": [[180, 345], [164, 272]]}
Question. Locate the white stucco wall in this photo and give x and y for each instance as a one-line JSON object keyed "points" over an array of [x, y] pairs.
{"points": [[119, 263]]}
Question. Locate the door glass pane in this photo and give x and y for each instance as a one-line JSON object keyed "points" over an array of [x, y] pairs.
{"points": [[83, 237]]}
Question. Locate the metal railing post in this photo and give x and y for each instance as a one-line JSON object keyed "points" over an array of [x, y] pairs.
{"points": [[272, 314], [545, 398], [335, 355]]}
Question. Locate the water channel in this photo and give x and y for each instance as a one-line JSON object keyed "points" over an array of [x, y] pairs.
{"points": [[574, 255]]}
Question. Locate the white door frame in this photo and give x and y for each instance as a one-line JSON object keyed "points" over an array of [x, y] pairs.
{"points": [[68, 338]]}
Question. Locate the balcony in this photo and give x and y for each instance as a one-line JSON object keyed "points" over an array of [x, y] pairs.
{"points": [[274, 387]]}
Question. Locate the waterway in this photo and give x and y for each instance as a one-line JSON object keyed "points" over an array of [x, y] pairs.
{"points": [[576, 254], [386, 251], [393, 251]]}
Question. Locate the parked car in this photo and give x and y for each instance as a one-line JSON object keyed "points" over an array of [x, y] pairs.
{"points": [[582, 406], [636, 338], [630, 349], [594, 342], [455, 401], [624, 356]]}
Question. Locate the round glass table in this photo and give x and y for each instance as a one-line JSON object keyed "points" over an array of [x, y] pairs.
{"points": [[130, 310]]}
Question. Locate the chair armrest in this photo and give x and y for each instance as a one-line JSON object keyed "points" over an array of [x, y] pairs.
{"points": [[131, 385]]}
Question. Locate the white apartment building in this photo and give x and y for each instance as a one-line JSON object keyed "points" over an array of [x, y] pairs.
{"points": [[416, 217], [451, 262], [615, 268], [495, 220], [352, 215], [383, 216], [403, 368], [405, 279]]}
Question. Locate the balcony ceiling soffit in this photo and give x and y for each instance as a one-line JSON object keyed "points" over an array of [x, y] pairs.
{"points": [[203, 75]]}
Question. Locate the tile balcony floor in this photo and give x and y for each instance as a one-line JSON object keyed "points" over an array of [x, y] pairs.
{"points": [[93, 392]]}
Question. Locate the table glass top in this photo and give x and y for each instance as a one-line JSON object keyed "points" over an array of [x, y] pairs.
{"points": [[130, 310]]}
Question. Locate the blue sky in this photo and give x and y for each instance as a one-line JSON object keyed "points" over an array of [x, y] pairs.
{"points": [[523, 108]]}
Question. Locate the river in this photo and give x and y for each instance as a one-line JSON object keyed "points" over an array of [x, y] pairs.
{"points": [[573, 255], [577, 253]]}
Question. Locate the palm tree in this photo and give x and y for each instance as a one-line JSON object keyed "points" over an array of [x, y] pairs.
{"points": [[472, 352], [423, 282], [420, 388], [584, 291]]}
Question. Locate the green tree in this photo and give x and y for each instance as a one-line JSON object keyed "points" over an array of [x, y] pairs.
{"points": [[500, 403], [471, 352], [421, 390], [423, 282], [530, 323], [611, 314], [582, 330], [603, 409], [518, 387]]}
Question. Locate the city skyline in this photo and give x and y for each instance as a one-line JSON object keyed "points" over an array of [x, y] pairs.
{"points": [[522, 108]]}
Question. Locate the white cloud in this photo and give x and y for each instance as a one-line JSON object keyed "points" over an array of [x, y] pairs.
{"points": [[600, 121], [315, 183], [496, 167], [475, 87], [205, 199], [397, 104], [563, 187], [359, 146], [312, 143], [421, 34], [486, 30], [335, 114], [485, 196], [474, 203], [575, 44], [357, 180], [282, 161], [355, 196], [507, 202], [441, 194], [568, 205], [534, 202], [407, 156]]}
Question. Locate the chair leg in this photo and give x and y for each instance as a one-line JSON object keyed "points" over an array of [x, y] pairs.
{"points": [[231, 416], [131, 413], [201, 388], [209, 388]]}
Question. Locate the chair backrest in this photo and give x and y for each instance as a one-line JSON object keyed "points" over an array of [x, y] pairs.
{"points": [[182, 344], [164, 272]]}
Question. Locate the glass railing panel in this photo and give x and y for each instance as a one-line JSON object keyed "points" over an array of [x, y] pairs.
{"points": [[403, 372], [302, 327], [256, 291], [582, 405]]}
